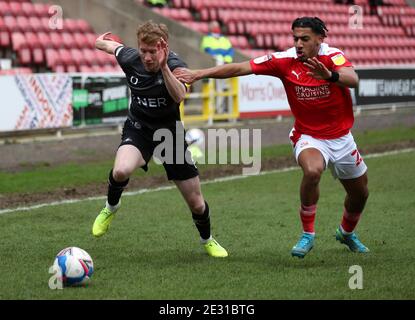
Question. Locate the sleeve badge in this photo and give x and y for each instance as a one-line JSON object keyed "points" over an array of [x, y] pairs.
{"points": [[338, 59]]}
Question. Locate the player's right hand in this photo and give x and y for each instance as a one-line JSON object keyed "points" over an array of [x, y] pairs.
{"points": [[109, 36], [102, 36]]}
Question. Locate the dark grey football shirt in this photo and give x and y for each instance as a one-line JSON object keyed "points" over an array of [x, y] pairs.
{"points": [[151, 104]]}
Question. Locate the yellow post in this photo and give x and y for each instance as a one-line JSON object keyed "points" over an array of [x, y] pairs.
{"points": [[208, 96]]}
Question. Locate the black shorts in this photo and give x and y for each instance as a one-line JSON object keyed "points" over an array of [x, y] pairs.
{"points": [[176, 167]]}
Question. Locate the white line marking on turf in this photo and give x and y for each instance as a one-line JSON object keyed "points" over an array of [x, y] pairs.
{"points": [[230, 178]]}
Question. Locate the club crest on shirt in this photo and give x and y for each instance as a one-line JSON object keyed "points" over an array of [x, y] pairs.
{"points": [[263, 59], [338, 59]]}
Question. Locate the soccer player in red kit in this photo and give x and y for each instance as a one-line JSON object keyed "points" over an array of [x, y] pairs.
{"points": [[317, 79]]}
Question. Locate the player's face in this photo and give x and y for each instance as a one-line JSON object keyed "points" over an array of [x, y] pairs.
{"points": [[307, 43], [149, 57]]}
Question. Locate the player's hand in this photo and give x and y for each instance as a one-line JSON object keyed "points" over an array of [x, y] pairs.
{"points": [[317, 70], [162, 52], [102, 36], [186, 75]]}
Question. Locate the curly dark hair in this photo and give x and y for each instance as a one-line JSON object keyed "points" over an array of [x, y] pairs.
{"points": [[314, 23]]}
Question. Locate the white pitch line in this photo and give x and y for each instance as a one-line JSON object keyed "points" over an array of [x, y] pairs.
{"points": [[224, 179]]}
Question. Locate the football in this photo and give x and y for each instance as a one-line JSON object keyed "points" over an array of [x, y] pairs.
{"points": [[195, 137], [113, 37], [75, 266]]}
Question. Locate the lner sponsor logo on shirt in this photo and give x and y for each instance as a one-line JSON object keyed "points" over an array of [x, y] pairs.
{"points": [[151, 102], [312, 93]]}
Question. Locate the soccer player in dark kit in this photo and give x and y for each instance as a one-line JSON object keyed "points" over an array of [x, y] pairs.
{"points": [[155, 98]]}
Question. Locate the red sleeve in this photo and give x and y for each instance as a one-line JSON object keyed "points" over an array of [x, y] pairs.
{"points": [[338, 60], [268, 65]]}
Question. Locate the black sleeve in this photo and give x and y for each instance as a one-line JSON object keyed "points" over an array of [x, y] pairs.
{"points": [[175, 62], [125, 55]]}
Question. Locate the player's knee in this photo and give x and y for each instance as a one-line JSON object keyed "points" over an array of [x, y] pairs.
{"points": [[120, 174], [196, 204], [312, 175]]}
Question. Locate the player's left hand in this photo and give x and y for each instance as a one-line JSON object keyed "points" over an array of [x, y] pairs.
{"points": [[317, 70], [185, 75], [162, 52]]}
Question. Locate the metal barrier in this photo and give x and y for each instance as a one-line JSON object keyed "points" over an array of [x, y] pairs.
{"points": [[210, 96]]}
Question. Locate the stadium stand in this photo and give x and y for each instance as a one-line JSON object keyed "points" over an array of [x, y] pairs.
{"points": [[263, 26], [28, 39], [254, 27]]}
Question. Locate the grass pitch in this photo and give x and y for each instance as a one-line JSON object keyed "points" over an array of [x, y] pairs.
{"points": [[152, 249]]}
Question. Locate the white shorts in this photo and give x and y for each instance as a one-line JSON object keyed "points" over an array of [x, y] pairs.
{"points": [[340, 155]]}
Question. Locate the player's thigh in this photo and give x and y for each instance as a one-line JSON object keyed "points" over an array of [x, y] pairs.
{"points": [[127, 159], [309, 152]]}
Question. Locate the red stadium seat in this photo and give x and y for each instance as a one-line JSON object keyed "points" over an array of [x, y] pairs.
{"points": [[32, 40], [18, 41], [58, 68], [71, 68], [5, 9], [28, 9], [101, 57], [23, 24], [35, 46], [52, 58], [85, 69], [4, 39], [45, 21], [91, 38], [4, 34], [24, 56], [36, 24], [70, 25], [90, 56], [68, 40], [80, 40], [78, 57], [65, 56], [38, 57], [41, 9], [97, 68], [56, 40], [16, 8], [10, 23], [44, 40]]}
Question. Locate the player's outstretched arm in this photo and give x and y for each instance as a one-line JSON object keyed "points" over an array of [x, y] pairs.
{"points": [[105, 45], [219, 72]]}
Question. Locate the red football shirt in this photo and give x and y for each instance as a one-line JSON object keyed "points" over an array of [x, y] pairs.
{"points": [[322, 109]]}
